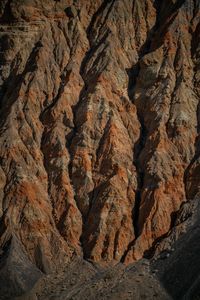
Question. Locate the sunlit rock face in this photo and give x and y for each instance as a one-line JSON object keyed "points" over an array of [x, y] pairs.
{"points": [[99, 124]]}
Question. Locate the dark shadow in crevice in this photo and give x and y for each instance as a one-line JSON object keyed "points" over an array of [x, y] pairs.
{"points": [[151, 251], [10, 95], [7, 17]]}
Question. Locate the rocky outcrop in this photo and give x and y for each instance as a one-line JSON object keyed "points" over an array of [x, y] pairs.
{"points": [[99, 125]]}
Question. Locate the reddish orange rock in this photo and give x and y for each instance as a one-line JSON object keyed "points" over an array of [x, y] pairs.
{"points": [[99, 124]]}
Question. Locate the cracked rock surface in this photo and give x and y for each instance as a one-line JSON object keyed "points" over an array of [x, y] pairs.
{"points": [[99, 132]]}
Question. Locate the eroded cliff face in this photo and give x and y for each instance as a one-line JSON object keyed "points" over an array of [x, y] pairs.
{"points": [[99, 126]]}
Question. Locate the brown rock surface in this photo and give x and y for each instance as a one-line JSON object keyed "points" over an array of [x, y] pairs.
{"points": [[99, 126]]}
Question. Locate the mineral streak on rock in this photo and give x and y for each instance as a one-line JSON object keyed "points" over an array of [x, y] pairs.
{"points": [[99, 126]]}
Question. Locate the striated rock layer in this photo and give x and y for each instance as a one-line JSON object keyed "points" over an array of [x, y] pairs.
{"points": [[99, 126]]}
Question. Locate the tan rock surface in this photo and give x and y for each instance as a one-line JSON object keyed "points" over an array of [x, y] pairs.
{"points": [[99, 125]]}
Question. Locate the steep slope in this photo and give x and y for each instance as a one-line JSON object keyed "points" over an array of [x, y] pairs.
{"points": [[178, 265], [99, 127]]}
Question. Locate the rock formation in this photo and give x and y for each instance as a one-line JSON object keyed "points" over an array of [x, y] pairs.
{"points": [[99, 127]]}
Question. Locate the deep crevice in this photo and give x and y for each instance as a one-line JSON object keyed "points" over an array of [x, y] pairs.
{"points": [[133, 74], [149, 45], [130, 245], [7, 16], [64, 80], [139, 146], [98, 12], [16, 80]]}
